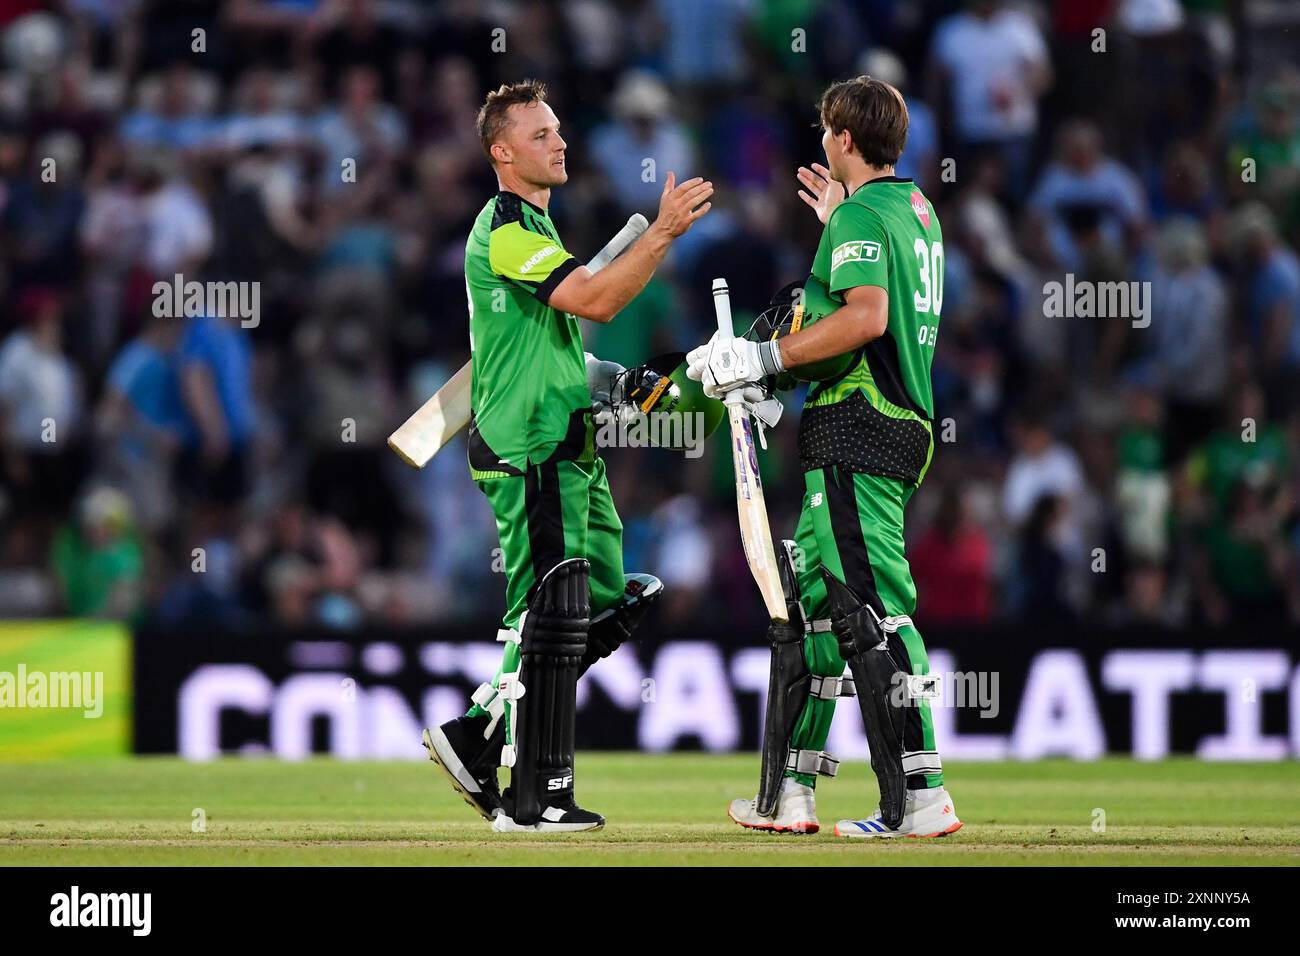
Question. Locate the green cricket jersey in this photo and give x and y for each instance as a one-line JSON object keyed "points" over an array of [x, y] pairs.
{"points": [[875, 418], [529, 395]]}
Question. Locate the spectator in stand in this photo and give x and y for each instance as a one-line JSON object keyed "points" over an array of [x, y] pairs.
{"points": [[42, 460], [66, 108], [989, 67], [347, 475], [683, 554], [1042, 465], [642, 145], [43, 210], [305, 570], [216, 367], [465, 28], [177, 222], [360, 135], [98, 559], [952, 565], [1271, 144], [261, 118], [1143, 491], [1188, 347], [142, 421], [1147, 597], [1248, 447], [1270, 271], [1039, 585], [1081, 175], [175, 121], [1244, 569], [357, 35], [703, 41], [1185, 188], [208, 599], [113, 236]]}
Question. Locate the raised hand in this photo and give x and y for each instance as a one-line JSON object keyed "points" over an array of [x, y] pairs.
{"points": [[823, 193], [680, 206]]}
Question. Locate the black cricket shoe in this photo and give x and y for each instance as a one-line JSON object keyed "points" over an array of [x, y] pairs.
{"points": [[564, 816], [469, 760]]}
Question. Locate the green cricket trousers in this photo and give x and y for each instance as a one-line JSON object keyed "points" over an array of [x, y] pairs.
{"points": [[852, 524], [554, 511]]}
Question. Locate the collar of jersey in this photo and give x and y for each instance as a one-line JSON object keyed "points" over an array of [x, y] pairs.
{"points": [[531, 205], [882, 179]]}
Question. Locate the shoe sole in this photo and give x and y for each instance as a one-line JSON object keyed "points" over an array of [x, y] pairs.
{"points": [[450, 765], [503, 824], [894, 836], [798, 829]]}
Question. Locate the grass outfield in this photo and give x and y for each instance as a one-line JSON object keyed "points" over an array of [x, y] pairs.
{"points": [[667, 810]]}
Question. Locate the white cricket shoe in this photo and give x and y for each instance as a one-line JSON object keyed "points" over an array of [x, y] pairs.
{"points": [[796, 811], [927, 813], [565, 817]]}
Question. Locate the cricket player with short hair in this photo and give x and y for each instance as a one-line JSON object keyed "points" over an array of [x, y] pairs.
{"points": [[870, 319], [532, 453]]}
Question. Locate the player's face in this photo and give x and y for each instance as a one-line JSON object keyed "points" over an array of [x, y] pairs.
{"points": [[831, 146], [535, 145]]}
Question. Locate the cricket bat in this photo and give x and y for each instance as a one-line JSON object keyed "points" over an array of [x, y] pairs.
{"points": [[443, 417], [755, 534]]}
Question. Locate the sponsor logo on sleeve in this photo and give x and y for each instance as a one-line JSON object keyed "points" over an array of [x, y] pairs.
{"points": [[858, 251], [537, 257]]}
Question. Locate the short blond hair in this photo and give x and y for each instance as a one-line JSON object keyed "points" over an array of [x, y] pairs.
{"points": [[494, 114]]}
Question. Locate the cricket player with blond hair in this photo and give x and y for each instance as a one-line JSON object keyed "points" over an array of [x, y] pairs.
{"points": [[532, 453], [863, 333]]}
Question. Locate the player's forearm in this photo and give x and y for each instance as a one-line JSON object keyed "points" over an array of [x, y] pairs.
{"points": [[844, 330], [602, 295]]}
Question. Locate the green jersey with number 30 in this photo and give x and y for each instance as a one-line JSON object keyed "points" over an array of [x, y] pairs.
{"points": [[529, 394], [876, 416]]}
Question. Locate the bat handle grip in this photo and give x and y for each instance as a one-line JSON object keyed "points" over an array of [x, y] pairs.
{"points": [[722, 308], [726, 330]]}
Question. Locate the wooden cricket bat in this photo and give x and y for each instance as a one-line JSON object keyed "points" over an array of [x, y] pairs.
{"points": [[443, 417], [755, 534]]}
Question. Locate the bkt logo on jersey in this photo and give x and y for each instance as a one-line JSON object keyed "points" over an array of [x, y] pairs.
{"points": [[560, 783], [859, 251]]}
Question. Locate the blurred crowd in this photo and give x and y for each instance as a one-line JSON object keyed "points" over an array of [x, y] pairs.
{"points": [[1119, 469]]}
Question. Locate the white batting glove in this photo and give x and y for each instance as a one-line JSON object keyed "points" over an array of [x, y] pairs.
{"points": [[600, 383], [734, 363], [766, 411], [696, 359]]}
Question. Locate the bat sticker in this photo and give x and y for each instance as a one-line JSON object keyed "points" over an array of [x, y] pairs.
{"points": [[741, 476], [753, 453]]}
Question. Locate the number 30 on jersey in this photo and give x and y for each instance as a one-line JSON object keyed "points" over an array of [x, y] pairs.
{"points": [[929, 298]]}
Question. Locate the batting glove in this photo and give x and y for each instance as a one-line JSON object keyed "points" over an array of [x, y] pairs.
{"points": [[734, 363], [601, 376], [766, 410]]}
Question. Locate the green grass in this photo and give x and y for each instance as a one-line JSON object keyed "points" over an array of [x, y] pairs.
{"points": [[666, 810], [68, 647]]}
